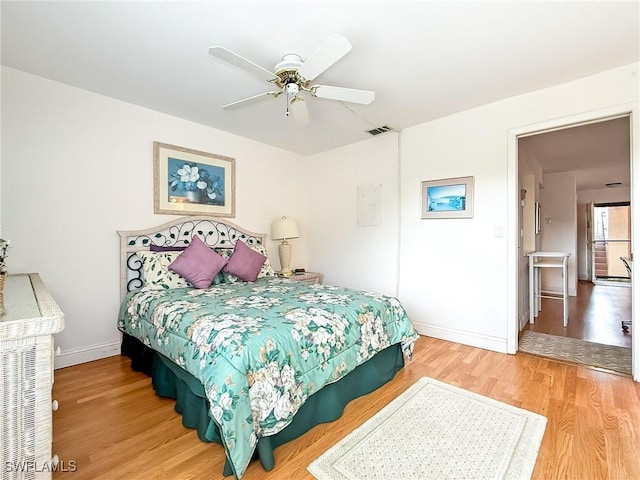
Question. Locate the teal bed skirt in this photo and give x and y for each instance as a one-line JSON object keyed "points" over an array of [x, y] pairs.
{"points": [[326, 405]]}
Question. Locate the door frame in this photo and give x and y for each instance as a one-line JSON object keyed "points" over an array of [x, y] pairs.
{"points": [[590, 250], [513, 202]]}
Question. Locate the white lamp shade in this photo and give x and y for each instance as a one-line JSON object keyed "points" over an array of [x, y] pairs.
{"points": [[284, 228]]}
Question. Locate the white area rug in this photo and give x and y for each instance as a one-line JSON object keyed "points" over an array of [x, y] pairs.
{"points": [[437, 431]]}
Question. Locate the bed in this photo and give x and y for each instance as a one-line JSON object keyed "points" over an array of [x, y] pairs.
{"points": [[251, 364]]}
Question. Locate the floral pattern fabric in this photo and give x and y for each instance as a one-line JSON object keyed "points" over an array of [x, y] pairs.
{"points": [[261, 348], [156, 273]]}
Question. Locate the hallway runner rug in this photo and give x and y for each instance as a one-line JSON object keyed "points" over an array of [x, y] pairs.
{"points": [[437, 431], [609, 357]]}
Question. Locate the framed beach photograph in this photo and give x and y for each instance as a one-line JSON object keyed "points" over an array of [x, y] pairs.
{"points": [[447, 198], [192, 182]]}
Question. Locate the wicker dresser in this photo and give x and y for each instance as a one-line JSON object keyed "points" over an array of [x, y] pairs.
{"points": [[28, 318]]}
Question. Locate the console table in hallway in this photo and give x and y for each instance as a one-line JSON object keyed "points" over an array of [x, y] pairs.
{"points": [[538, 261]]}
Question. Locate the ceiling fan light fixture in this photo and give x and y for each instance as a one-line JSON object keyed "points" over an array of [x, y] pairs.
{"points": [[299, 112], [292, 76], [292, 89], [290, 62]]}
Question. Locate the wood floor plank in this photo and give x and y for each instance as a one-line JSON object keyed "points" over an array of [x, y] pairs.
{"points": [[595, 315], [112, 424]]}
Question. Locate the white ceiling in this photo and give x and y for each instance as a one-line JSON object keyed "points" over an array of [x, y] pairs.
{"points": [[424, 60], [597, 153]]}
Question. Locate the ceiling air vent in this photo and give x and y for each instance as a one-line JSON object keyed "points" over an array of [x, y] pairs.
{"points": [[379, 130]]}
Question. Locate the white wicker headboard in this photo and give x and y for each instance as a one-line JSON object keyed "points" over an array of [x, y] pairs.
{"points": [[211, 230]]}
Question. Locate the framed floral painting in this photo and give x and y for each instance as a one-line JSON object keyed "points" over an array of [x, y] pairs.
{"points": [[192, 182]]}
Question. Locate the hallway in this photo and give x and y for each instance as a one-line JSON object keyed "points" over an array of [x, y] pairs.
{"points": [[594, 315]]}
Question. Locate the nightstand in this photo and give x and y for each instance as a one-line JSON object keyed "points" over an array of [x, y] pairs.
{"points": [[309, 277]]}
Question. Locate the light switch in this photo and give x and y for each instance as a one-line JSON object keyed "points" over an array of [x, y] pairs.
{"points": [[498, 231]]}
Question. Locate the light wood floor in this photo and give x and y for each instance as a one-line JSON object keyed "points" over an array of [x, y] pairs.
{"points": [[594, 315], [114, 427]]}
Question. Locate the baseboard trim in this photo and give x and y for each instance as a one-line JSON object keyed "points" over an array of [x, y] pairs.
{"points": [[571, 292], [486, 342], [86, 354]]}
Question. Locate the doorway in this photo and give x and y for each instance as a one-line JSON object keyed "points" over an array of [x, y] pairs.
{"points": [[611, 243], [516, 252]]}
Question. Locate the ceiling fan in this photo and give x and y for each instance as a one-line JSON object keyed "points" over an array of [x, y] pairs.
{"points": [[293, 76]]}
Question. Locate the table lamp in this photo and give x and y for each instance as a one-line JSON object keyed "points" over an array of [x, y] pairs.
{"points": [[284, 229]]}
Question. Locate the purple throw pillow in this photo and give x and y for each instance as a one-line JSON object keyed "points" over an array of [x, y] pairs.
{"points": [[198, 264], [245, 263]]}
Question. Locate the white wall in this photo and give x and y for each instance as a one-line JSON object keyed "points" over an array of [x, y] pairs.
{"points": [[453, 273], [71, 157], [78, 166], [584, 272], [559, 228], [529, 178], [528, 214], [0, 149], [605, 195], [362, 257]]}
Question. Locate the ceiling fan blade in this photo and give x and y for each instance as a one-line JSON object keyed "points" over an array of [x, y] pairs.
{"points": [[299, 112], [250, 100], [241, 62], [352, 95], [329, 52]]}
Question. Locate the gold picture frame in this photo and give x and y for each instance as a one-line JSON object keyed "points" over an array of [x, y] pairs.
{"points": [[192, 182]]}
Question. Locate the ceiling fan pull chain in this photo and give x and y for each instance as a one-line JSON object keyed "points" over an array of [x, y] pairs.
{"points": [[287, 112]]}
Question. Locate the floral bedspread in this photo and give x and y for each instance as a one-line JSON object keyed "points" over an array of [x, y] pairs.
{"points": [[261, 349]]}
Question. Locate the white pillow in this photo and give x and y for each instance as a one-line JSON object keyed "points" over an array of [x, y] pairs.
{"points": [[267, 269], [156, 273]]}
